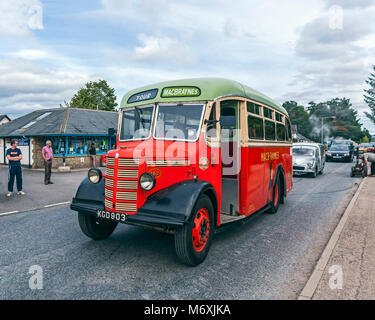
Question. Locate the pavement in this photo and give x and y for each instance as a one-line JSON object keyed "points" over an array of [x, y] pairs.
{"points": [[270, 257], [38, 195], [349, 270]]}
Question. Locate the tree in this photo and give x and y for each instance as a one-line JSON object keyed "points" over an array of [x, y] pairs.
{"points": [[370, 96], [96, 95], [299, 117], [340, 119]]}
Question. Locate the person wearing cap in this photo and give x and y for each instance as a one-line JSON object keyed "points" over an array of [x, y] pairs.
{"points": [[14, 156]]}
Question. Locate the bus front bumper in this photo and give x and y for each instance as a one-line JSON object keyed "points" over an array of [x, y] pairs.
{"points": [[142, 217]]}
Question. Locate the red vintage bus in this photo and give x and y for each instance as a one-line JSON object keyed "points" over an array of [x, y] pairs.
{"points": [[192, 156]]}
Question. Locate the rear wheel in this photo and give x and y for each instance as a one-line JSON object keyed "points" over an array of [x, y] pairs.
{"points": [[94, 228], [277, 194], [193, 240]]}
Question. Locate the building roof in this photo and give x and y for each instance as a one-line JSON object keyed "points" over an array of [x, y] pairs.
{"points": [[210, 89], [61, 121], [3, 116]]}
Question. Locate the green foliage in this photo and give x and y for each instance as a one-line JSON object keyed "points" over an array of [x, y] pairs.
{"points": [[299, 117], [96, 95], [365, 139], [370, 96], [340, 119]]}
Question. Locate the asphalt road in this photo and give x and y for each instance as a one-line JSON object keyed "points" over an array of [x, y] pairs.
{"points": [[270, 257]]}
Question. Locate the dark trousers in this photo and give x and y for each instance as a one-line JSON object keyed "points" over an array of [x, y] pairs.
{"points": [[372, 167], [47, 170], [15, 172]]}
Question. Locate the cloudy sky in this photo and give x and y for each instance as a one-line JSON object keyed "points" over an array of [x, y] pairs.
{"points": [[289, 50]]}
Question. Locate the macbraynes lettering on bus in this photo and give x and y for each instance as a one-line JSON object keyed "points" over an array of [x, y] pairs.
{"points": [[193, 156]]}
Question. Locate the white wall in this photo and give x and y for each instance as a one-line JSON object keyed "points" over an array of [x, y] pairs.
{"points": [[24, 150], [1, 151]]}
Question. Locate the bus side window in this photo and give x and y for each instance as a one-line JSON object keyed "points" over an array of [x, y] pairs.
{"points": [[255, 126], [280, 129], [270, 130]]}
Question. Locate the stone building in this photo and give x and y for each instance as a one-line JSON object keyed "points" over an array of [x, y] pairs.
{"points": [[71, 131]]}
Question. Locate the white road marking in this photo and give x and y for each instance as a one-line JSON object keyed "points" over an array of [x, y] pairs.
{"points": [[7, 213], [56, 204], [33, 209]]}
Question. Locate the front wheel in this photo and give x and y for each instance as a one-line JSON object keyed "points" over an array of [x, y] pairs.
{"points": [[94, 228], [193, 240], [315, 173]]}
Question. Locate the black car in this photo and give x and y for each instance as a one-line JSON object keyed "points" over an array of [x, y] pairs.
{"points": [[339, 152]]}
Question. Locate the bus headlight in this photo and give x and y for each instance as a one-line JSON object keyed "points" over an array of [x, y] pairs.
{"points": [[95, 175], [147, 181]]}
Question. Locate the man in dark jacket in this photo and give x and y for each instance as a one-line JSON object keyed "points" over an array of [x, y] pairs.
{"points": [[14, 156]]}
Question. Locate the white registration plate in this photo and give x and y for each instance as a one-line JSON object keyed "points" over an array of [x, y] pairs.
{"points": [[113, 216]]}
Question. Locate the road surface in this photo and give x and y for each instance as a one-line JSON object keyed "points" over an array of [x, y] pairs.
{"points": [[270, 257]]}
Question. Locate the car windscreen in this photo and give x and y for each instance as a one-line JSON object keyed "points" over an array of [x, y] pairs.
{"points": [[303, 151], [136, 123], [178, 122], [339, 148]]}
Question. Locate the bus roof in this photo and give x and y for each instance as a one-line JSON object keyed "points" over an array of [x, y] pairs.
{"points": [[199, 89]]}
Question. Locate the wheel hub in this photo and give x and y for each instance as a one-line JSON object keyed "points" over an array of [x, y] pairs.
{"points": [[201, 229]]}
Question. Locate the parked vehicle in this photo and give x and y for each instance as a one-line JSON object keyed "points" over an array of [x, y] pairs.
{"points": [[364, 147], [308, 158], [339, 152], [171, 172]]}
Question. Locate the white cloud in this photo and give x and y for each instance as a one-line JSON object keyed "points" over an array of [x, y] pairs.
{"points": [[30, 54], [162, 50], [20, 17], [25, 86]]}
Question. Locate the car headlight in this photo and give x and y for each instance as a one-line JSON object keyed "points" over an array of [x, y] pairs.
{"points": [[329, 154], [345, 154], [95, 175], [147, 181], [310, 164]]}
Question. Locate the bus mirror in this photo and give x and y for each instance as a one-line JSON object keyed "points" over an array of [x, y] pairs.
{"points": [[111, 131]]}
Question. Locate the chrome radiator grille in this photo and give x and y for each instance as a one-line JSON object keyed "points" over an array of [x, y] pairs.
{"points": [[126, 188], [110, 162]]}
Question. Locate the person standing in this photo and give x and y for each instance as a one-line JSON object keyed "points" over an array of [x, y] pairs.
{"points": [[14, 156], [47, 156], [92, 152]]}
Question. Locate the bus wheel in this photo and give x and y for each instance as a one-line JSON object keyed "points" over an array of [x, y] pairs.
{"points": [[94, 228], [277, 194], [193, 240]]}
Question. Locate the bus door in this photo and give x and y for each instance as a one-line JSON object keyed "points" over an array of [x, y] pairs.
{"points": [[230, 157]]}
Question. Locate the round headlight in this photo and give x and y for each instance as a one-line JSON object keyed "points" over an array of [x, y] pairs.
{"points": [[95, 175], [147, 181]]}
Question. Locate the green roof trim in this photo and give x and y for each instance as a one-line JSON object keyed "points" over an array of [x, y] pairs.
{"points": [[210, 89]]}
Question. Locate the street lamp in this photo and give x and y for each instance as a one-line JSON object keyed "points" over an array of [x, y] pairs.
{"points": [[331, 117]]}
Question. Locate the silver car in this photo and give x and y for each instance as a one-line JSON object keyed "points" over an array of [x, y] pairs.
{"points": [[308, 158]]}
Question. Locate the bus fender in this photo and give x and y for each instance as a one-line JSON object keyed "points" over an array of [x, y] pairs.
{"points": [[89, 197], [280, 173], [176, 202]]}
